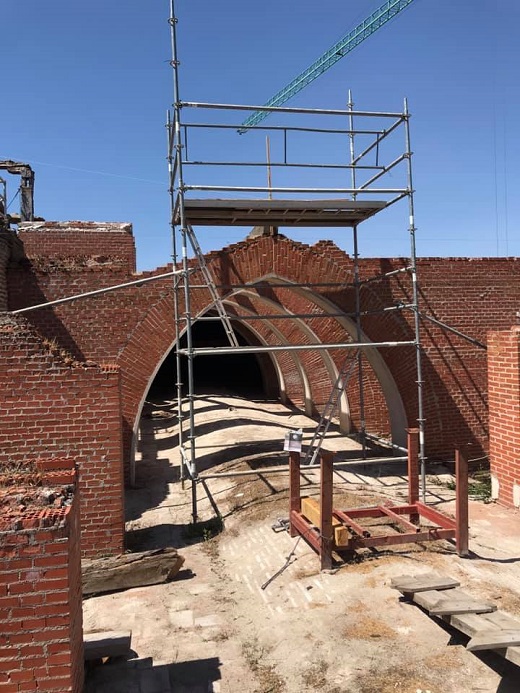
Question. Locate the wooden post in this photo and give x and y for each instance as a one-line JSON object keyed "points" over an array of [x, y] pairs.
{"points": [[413, 470], [326, 536], [461, 507], [294, 489]]}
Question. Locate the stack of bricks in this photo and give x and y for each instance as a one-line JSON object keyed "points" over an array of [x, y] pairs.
{"points": [[504, 415], [41, 634]]}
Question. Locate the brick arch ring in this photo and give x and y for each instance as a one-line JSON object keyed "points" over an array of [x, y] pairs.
{"points": [[394, 402], [296, 370]]}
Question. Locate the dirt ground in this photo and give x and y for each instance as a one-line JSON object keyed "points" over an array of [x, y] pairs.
{"points": [[215, 629]]}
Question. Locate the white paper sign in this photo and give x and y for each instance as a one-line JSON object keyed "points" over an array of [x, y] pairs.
{"points": [[293, 441]]}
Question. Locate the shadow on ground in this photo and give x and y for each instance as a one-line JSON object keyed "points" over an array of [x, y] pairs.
{"points": [[142, 676]]}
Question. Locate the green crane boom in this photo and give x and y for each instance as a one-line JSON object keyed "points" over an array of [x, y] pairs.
{"points": [[370, 25]]}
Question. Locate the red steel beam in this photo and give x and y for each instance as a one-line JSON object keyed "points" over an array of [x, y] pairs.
{"points": [[403, 509], [433, 534], [398, 519], [327, 539], [306, 530], [435, 516], [372, 511], [295, 503], [352, 524]]}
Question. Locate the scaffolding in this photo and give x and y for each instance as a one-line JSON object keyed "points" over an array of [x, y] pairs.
{"points": [[377, 148]]}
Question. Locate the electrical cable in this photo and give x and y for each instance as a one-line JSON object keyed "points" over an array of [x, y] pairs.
{"points": [[280, 570]]}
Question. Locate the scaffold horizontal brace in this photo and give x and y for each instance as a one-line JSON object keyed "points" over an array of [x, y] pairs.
{"points": [[288, 109], [221, 351]]}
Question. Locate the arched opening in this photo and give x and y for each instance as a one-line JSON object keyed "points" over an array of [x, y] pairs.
{"points": [[251, 376]]}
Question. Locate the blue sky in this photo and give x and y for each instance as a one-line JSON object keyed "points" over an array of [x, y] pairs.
{"points": [[86, 88]]}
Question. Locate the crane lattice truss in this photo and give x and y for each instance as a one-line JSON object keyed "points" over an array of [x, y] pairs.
{"points": [[339, 50]]}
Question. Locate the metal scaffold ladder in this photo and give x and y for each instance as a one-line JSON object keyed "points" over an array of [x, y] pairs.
{"points": [[210, 284], [331, 407]]}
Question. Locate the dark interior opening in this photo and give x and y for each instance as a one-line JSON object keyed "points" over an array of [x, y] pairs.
{"points": [[246, 375]]}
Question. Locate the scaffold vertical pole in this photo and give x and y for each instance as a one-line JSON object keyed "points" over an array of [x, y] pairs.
{"points": [[415, 300], [185, 267], [177, 321], [413, 471], [357, 286], [178, 384], [461, 512]]}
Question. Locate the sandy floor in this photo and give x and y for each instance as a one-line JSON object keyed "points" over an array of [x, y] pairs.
{"points": [[216, 629]]}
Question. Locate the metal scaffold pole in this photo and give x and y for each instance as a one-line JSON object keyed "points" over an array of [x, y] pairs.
{"points": [[238, 202], [177, 320], [357, 286], [184, 240], [415, 299]]}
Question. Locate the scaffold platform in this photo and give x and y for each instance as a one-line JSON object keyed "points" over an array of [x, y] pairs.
{"points": [[239, 212]]}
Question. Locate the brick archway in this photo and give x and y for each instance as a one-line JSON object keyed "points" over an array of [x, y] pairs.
{"points": [[105, 350], [66, 258], [305, 378]]}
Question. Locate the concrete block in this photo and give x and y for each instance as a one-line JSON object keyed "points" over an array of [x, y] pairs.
{"points": [[516, 495], [495, 487]]}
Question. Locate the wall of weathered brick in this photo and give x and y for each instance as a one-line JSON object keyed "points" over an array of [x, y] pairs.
{"points": [[5, 256], [504, 415], [55, 406], [11, 250], [89, 243], [41, 636], [134, 327]]}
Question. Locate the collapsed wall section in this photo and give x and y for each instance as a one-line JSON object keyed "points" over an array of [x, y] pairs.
{"points": [[70, 258], [41, 636]]}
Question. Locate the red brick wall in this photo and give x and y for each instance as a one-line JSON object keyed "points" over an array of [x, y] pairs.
{"points": [[5, 255], [55, 406], [73, 244], [134, 327], [41, 636], [504, 415]]}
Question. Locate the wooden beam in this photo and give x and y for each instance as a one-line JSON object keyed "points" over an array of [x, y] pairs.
{"points": [[471, 623], [423, 583], [499, 619], [130, 570], [493, 639], [464, 604], [311, 510]]}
